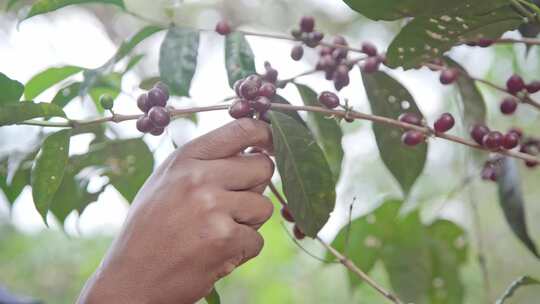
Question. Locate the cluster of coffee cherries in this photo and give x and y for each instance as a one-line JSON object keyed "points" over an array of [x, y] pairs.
{"points": [[156, 116], [254, 95], [287, 215], [413, 137], [516, 86]]}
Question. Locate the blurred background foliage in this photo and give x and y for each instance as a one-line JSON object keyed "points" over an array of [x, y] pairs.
{"points": [[52, 264]]}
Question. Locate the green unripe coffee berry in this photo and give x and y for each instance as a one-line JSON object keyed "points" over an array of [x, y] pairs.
{"points": [[106, 101]]}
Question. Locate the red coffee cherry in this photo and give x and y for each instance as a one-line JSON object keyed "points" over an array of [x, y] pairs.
{"points": [[329, 100], [298, 234], [411, 118], [286, 214], [413, 138], [159, 116], [510, 140], [449, 76], [240, 108], [297, 53], [156, 131], [307, 24], [515, 84], [478, 131], [444, 123], [371, 65], [249, 90], [144, 124], [516, 131], [223, 28], [509, 106], [369, 49], [261, 104], [493, 140], [533, 87], [267, 90]]}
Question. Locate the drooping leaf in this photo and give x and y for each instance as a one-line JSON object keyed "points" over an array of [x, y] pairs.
{"points": [[213, 297], [512, 203], [49, 169], [389, 98], [46, 79], [13, 113], [398, 9], [426, 38], [178, 59], [13, 189], [127, 46], [308, 183], [517, 284], [66, 94], [45, 6], [239, 58], [12, 90], [326, 130]]}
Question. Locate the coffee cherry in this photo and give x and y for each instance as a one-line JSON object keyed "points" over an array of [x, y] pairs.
{"points": [[339, 54], [371, 65], [265, 116], [510, 141], [237, 86], [297, 53], [256, 79], [164, 88], [316, 37], [449, 76], [298, 234], [240, 108], [327, 62], [329, 100], [106, 101], [267, 90], [307, 24], [286, 214], [509, 106], [489, 173], [478, 131], [249, 90], [143, 104], [531, 164], [341, 83], [160, 117], [444, 123], [144, 124], [533, 87], [157, 97], [340, 40], [411, 118], [492, 140], [325, 50], [515, 84], [296, 33], [369, 49], [485, 42], [341, 74], [223, 28], [156, 131], [413, 138], [271, 74], [516, 131], [261, 104]]}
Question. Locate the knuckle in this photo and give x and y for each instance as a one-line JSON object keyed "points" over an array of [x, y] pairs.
{"points": [[267, 209], [207, 200], [268, 166]]}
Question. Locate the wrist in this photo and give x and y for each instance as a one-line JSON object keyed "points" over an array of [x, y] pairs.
{"points": [[101, 288]]}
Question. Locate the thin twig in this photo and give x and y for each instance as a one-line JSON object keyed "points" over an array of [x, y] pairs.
{"points": [[293, 239]]}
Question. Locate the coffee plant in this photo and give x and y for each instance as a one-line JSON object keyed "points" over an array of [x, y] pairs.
{"points": [[308, 152]]}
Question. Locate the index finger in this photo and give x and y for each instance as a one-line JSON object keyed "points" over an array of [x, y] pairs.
{"points": [[230, 140]]}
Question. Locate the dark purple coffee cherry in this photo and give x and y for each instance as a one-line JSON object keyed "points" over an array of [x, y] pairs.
{"points": [[106, 101], [296, 33], [478, 131], [444, 123], [493, 140], [298, 234], [340, 40], [516, 131], [485, 42], [267, 90], [515, 84], [510, 140], [159, 116], [223, 28], [261, 104], [369, 49], [411, 118], [271, 74], [143, 104], [413, 138], [531, 164], [144, 124], [237, 86], [317, 37], [509, 106], [157, 131], [164, 88], [249, 90], [533, 87], [256, 79], [325, 50], [286, 214], [297, 53], [340, 83], [449, 76], [240, 108], [339, 54], [307, 24], [327, 62], [371, 65], [329, 100], [341, 73], [157, 97]]}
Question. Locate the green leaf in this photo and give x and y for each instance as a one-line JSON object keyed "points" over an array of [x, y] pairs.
{"points": [[387, 98], [213, 297], [49, 169], [178, 59], [140, 36], [521, 282], [426, 38], [307, 179], [46, 79], [127, 164], [45, 6], [239, 58], [512, 204], [397, 9], [11, 4], [66, 94], [13, 189], [12, 90], [149, 83], [19, 112], [326, 130]]}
